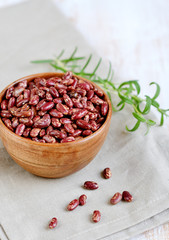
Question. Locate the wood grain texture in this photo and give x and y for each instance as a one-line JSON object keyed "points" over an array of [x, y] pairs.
{"points": [[160, 233], [58, 159]]}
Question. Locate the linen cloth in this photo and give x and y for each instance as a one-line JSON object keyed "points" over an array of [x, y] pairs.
{"points": [[139, 163]]}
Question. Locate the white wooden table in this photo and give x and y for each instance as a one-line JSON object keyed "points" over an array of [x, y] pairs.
{"points": [[134, 35]]}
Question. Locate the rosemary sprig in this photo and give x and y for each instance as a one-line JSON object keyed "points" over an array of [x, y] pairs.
{"points": [[128, 92]]}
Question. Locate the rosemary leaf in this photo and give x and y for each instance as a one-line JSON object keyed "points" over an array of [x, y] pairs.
{"points": [[128, 91]]}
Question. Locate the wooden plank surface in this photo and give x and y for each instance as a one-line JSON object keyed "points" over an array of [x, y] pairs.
{"points": [[159, 233]]}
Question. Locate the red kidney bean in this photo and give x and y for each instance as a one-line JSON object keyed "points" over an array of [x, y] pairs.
{"points": [[73, 94], [26, 132], [68, 127], [54, 92], [33, 111], [70, 89], [104, 108], [68, 82], [79, 114], [5, 114], [57, 100], [90, 107], [40, 104], [35, 132], [43, 122], [53, 223], [33, 92], [73, 110], [107, 173], [18, 99], [8, 124], [55, 113], [49, 97], [49, 139], [65, 120], [44, 89], [74, 125], [34, 100], [4, 104], [68, 75], [96, 216], [26, 93], [86, 118], [40, 93], [26, 121], [92, 116], [91, 185], [47, 106], [51, 82], [83, 100], [98, 92], [116, 198], [67, 100], [20, 129], [73, 204], [68, 139], [96, 100], [82, 199], [56, 123], [31, 85], [62, 91], [49, 129], [82, 92], [11, 102], [26, 107], [21, 102], [41, 113], [90, 94], [77, 103], [127, 197], [42, 133], [87, 132], [23, 84], [42, 82], [62, 108], [9, 92], [17, 91], [94, 125], [36, 118], [76, 133], [84, 85], [22, 113], [59, 86], [55, 133], [100, 120], [98, 109], [74, 84], [15, 122], [83, 124]]}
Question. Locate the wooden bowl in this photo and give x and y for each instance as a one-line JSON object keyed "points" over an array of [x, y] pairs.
{"points": [[58, 159]]}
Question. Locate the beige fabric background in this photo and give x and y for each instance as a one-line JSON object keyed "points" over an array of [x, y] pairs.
{"points": [[139, 163]]}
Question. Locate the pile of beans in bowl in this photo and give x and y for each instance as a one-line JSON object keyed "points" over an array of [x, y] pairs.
{"points": [[54, 110]]}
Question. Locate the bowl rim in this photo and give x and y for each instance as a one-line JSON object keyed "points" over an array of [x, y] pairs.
{"points": [[55, 74]]}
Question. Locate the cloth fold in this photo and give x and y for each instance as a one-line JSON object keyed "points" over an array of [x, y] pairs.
{"points": [[36, 30]]}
